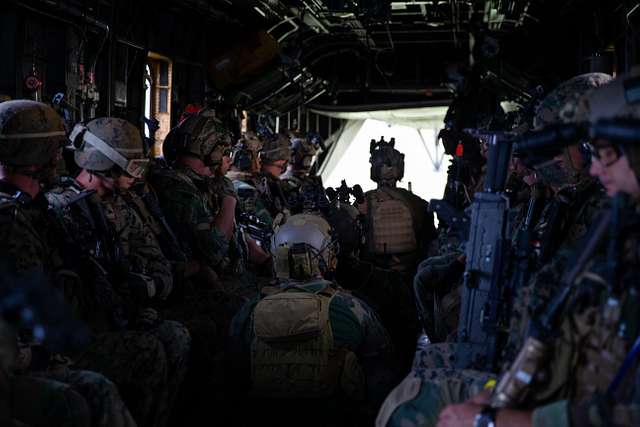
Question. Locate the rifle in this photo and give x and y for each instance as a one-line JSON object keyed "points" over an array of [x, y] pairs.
{"points": [[513, 387], [256, 228], [486, 252]]}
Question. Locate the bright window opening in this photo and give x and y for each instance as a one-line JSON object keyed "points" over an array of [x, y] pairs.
{"points": [[425, 167]]}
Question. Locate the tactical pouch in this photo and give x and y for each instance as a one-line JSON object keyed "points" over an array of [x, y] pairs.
{"points": [[391, 229]]}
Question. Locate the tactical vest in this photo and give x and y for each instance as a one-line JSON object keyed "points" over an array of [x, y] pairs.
{"points": [[292, 354], [391, 228]]}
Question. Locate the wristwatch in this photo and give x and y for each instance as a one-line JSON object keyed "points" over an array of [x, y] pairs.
{"points": [[486, 417]]}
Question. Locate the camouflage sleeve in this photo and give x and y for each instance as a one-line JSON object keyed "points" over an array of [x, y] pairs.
{"points": [[19, 243], [189, 218], [356, 326], [553, 414], [145, 250]]}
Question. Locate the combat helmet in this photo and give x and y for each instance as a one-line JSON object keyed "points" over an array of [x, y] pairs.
{"points": [[275, 149], [562, 106], [109, 143], [387, 163], [202, 135], [30, 134], [303, 248], [245, 153], [619, 99], [302, 153]]}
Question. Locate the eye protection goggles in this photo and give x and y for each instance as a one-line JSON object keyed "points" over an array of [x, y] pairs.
{"points": [[135, 167]]}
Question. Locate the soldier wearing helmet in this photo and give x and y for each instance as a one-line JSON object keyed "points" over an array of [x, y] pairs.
{"points": [[588, 354], [340, 345], [203, 219], [274, 158], [399, 226], [110, 153], [398, 229], [31, 134], [127, 272], [303, 188], [561, 223]]}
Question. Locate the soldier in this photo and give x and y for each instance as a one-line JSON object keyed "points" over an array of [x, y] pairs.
{"points": [[585, 375], [303, 188], [398, 229], [31, 134], [303, 152], [435, 364], [204, 220], [200, 206], [339, 346], [274, 157], [110, 153]]}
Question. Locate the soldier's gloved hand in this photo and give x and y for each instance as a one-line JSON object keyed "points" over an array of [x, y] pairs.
{"points": [[147, 318]]}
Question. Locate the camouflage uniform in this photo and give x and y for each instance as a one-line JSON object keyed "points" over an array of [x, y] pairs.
{"points": [[161, 347], [27, 250], [136, 267], [577, 205], [23, 247], [190, 209]]}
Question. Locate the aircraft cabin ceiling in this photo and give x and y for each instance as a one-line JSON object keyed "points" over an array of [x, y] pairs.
{"points": [[361, 55]]}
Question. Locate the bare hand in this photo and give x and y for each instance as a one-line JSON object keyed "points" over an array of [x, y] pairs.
{"points": [[462, 415]]}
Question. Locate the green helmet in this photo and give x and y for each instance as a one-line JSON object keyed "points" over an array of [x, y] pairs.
{"points": [[303, 248], [30, 133], [109, 142], [202, 135], [561, 105], [277, 149]]}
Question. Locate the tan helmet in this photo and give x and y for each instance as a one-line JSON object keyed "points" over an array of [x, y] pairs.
{"points": [[106, 143], [303, 248], [620, 99], [30, 133], [277, 149], [202, 135]]}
